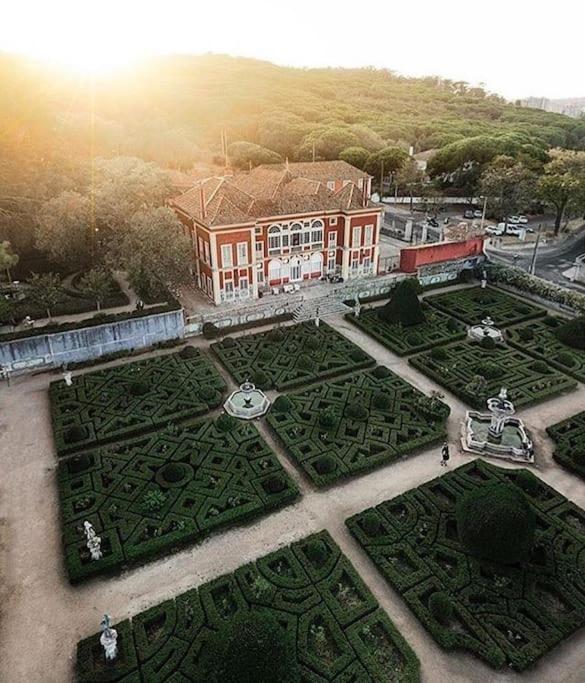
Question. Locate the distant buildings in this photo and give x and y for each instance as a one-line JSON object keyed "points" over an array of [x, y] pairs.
{"points": [[280, 224], [574, 106]]}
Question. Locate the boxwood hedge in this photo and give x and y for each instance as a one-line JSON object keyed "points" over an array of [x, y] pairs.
{"points": [[569, 436], [505, 614], [340, 632]]}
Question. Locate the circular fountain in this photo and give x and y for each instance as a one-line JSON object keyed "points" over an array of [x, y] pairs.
{"points": [[485, 329], [498, 433], [247, 402]]}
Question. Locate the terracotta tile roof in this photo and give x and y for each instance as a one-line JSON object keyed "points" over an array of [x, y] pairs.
{"points": [[321, 170], [273, 190]]}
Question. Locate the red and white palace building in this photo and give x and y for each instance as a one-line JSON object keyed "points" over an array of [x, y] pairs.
{"points": [[280, 224]]}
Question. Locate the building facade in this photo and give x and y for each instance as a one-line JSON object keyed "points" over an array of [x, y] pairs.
{"points": [[280, 225]]}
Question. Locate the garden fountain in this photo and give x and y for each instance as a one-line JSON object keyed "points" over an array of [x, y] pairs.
{"points": [[247, 402], [497, 433], [485, 330]]}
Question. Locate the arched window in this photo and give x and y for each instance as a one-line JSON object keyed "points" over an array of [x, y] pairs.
{"points": [[296, 235], [273, 238], [274, 270], [316, 263], [317, 231], [295, 269]]}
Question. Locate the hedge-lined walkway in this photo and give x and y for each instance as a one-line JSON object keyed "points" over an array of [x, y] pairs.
{"points": [[43, 617]]}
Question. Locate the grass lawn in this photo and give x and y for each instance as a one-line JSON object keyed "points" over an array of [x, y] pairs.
{"points": [[474, 304], [149, 495], [286, 357], [506, 615], [129, 399], [341, 634], [569, 436], [439, 328], [526, 379], [395, 423]]}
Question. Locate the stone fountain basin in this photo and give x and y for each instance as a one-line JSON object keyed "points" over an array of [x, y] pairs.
{"points": [[514, 444], [479, 332], [247, 405]]}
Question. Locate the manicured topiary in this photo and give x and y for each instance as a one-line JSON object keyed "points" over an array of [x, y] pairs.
{"points": [[404, 307], [250, 647], [138, 388], [381, 371], [261, 379], [489, 370], [565, 359], [357, 356], [496, 523], [317, 552], [274, 484], [324, 464], [173, 473], [75, 433], [528, 482], [572, 333], [371, 525], [439, 353], [226, 423], [229, 342], [432, 407], [305, 362], [381, 400], [452, 325], [356, 411], [414, 339], [153, 500], [275, 335], [488, 343], [541, 367], [188, 352], [327, 418], [210, 330], [282, 404], [209, 395], [526, 333], [313, 343], [80, 463], [265, 355], [551, 322], [441, 607]]}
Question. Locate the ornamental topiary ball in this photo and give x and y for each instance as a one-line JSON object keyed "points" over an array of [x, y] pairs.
{"points": [[371, 524], [439, 353], [317, 552], [440, 607], [139, 389], [282, 404], [327, 418], [75, 433], [404, 307], [572, 333], [188, 352], [356, 411], [357, 356], [225, 423], [274, 484], [528, 482], [381, 371], [261, 379], [250, 647], [496, 523], [381, 400], [305, 362], [565, 358], [324, 464], [488, 343]]}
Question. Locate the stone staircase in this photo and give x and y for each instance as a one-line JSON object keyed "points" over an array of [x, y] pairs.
{"points": [[326, 305]]}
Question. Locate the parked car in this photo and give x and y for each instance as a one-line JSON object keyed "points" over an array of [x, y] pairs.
{"points": [[522, 219], [509, 229], [494, 230], [468, 213], [514, 220], [477, 213]]}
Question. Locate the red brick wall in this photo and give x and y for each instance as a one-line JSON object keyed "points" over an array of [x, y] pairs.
{"points": [[412, 258]]}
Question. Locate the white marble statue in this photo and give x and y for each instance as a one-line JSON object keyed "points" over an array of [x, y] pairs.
{"points": [[109, 639]]}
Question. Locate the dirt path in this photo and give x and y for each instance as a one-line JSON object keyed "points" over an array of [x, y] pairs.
{"points": [[43, 617]]}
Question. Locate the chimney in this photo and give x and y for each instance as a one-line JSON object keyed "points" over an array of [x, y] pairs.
{"points": [[202, 200]]}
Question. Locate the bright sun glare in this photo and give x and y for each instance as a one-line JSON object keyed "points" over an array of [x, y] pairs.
{"points": [[88, 59]]}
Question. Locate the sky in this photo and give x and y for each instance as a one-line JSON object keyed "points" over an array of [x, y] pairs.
{"points": [[515, 48]]}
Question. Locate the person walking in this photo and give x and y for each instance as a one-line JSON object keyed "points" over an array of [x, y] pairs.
{"points": [[445, 454]]}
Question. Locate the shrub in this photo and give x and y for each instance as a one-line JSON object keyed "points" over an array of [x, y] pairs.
{"points": [[75, 433], [565, 358], [312, 343], [432, 408], [188, 352], [371, 524], [265, 355], [551, 322], [274, 484], [572, 333], [381, 371], [489, 370], [356, 411], [439, 353], [275, 335], [527, 482], [139, 388], [440, 607], [229, 342], [305, 362], [357, 355], [488, 343], [225, 422], [452, 325], [251, 647], [414, 339], [261, 379], [210, 330], [172, 472], [496, 523], [327, 418], [324, 464], [381, 400], [317, 552], [526, 333], [208, 394], [80, 463], [540, 366], [404, 307], [153, 500], [282, 404]]}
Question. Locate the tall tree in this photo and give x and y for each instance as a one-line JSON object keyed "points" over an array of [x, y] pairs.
{"points": [[7, 259], [562, 185], [509, 186], [386, 163], [356, 156], [96, 284], [45, 290]]}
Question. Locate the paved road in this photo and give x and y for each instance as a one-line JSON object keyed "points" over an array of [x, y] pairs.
{"points": [[550, 263]]}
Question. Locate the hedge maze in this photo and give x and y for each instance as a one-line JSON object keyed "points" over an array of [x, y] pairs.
{"points": [[286, 357], [474, 304], [342, 427], [569, 436], [473, 373], [438, 329], [505, 614], [313, 592], [151, 494], [538, 338], [129, 399]]}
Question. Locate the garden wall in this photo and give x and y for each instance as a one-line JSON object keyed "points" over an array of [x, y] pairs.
{"points": [[87, 343]]}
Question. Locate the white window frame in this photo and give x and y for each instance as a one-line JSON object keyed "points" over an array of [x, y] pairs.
{"points": [[333, 220], [242, 251], [332, 239], [260, 248], [206, 252], [368, 235], [330, 184], [331, 264], [356, 236], [227, 262], [274, 239]]}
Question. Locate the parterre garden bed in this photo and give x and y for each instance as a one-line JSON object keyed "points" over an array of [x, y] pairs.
{"points": [[526, 379], [395, 420], [569, 436], [504, 614], [341, 634], [474, 304], [438, 329], [286, 357], [149, 495], [538, 338], [129, 399]]}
